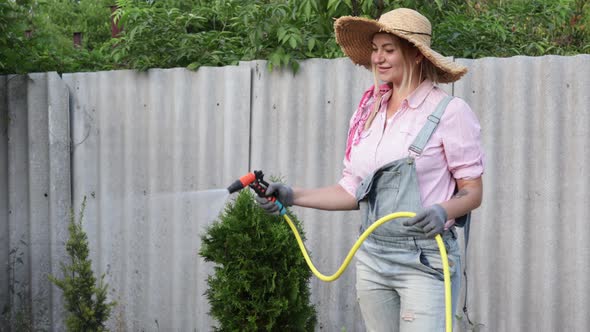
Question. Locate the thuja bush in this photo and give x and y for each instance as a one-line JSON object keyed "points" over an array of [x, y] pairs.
{"points": [[85, 300], [260, 280]]}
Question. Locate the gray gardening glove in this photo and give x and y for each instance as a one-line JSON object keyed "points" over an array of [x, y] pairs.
{"points": [[431, 220], [283, 193]]}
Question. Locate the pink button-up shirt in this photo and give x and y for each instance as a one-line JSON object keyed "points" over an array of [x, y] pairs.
{"points": [[453, 152]]}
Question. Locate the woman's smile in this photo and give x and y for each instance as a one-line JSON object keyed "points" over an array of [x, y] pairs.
{"points": [[383, 69]]}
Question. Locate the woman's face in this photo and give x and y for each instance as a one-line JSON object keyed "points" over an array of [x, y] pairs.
{"points": [[388, 58]]}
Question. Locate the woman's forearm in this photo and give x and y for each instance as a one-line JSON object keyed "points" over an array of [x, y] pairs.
{"points": [[325, 198], [467, 198]]}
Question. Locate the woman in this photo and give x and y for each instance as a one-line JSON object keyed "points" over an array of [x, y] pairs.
{"points": [[409, 149]]}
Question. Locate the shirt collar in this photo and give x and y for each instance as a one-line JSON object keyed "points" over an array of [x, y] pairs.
{"points": [[417, 97]]}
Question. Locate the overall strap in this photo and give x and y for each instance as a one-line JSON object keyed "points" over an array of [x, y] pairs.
{"points": [[418, 147], [426, 131]]}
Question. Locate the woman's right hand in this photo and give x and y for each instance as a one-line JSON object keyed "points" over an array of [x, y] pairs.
{"points": [[282, 192]]}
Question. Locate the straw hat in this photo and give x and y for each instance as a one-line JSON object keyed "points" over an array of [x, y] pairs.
{"points": [[355, 35]]}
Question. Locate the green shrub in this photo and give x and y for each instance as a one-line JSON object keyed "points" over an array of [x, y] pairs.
{"points": [[85, 301], [195, 33], [475, 29], [261, 279]]}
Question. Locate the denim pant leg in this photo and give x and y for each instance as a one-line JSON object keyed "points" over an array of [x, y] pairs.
{"points": [[401, 289], [379, 303]]}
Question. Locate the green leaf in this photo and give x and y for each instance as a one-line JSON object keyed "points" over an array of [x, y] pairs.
{"points": [[332, 5], [307, 9], [281, 33], [311, 44], [439, 4], [293, 42]]}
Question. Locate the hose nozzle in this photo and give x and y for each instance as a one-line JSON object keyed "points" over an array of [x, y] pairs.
{"points": [[242, 183], [253, 179], [256, 181]]}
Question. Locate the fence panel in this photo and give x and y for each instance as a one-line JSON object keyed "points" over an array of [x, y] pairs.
{"points": [[150, 149], [34, 196], [529, 250]]}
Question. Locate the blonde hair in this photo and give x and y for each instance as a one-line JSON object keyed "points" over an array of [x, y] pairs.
{"points": [[405, 48], [376, 97], [427, 69]]}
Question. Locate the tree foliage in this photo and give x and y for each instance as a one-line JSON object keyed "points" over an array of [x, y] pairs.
{"points": [[85, 300], [261, 279], [501, 29], [194, 33]]}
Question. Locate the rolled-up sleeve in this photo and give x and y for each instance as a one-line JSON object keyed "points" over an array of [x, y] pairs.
{"points": [[461, 136], [349, 181]]}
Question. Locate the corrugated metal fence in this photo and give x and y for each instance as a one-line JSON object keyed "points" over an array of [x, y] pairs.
{"points": [[149, 149]]}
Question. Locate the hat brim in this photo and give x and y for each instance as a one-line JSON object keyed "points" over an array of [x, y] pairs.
{"points": [[355, 37]]}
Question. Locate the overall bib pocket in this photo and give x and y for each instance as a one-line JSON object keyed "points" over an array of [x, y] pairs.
{"points": [[383, 200]]}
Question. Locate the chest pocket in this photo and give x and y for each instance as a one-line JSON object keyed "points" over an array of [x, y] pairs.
{"points": [[380, 193], [383, 199], [387, 180]]}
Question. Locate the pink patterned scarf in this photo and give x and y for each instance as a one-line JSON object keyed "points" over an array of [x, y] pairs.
{"points": [[361, 115]]}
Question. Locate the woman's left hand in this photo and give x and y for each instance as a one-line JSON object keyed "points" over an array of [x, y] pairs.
{"points": [[431, 220]]}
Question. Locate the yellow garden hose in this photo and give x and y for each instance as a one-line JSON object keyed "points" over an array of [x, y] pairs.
{"points": [[356, 246]]}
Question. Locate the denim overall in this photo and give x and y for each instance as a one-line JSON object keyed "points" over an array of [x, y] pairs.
{"points": [[399, 271]]}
